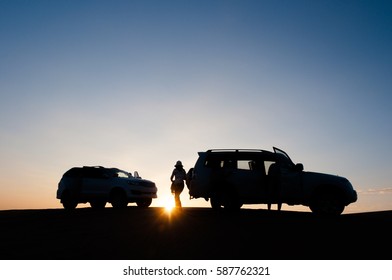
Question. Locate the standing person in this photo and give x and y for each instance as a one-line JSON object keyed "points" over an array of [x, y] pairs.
{"points": [[188, 180], [177, 178], [274, 172]]}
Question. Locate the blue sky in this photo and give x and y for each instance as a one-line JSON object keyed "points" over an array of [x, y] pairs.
{"points": [[139, 85]]}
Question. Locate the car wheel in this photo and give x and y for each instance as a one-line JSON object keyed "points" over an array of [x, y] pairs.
{"points": [[230, 200], [215, 202], [98, 204], [69, 203], [144, 202], [327, 204], [118, 199], [232, 205]]}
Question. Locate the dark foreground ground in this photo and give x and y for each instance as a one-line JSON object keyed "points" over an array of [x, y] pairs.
{"points": [[192, 234]]}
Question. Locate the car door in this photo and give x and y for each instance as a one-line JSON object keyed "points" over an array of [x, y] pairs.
{"points": [[95, 183], [246, 175], [290, 178], [291, 185]]}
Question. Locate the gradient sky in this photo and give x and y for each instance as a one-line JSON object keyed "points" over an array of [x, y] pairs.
{"points": [[139, 85]]}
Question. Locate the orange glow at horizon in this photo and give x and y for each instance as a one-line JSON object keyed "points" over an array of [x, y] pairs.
{"points": [[168, 204]]}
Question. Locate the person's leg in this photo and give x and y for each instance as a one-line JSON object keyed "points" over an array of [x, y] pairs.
{"points": [[177, 199]]}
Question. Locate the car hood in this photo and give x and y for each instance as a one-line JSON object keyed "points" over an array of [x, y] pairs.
{"points": [[142, 182], [326, 178], [317, 178]]}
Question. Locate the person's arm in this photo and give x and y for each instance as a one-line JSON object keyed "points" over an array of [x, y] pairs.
{"points": [[172, 176]]}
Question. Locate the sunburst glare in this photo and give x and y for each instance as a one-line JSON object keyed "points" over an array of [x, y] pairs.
{"points": [[169, 205]]}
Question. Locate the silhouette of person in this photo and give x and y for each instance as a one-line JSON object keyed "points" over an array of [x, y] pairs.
{"points": [[188, 180], [177, 178], [273, 187]]}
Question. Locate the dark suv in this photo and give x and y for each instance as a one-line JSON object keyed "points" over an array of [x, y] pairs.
{"points": [[99, 185], [233, 177]]}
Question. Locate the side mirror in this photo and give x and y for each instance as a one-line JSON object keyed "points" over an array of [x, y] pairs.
{"points": [[299, 167]]}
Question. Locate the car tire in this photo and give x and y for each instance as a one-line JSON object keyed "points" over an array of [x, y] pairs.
{"points": [[119, 199], [144, 202], [327, 204], [232, 205], [215, 202], [98, 204], [230, 200], [69, 203]]}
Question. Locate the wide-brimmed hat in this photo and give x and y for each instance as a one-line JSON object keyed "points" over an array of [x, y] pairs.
{"points": [[178, 163]]}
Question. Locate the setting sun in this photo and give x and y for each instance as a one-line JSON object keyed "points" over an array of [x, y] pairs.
{"points": [[168, 204]]}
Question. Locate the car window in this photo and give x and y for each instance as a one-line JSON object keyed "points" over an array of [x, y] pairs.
{"points": [[121, 174], [267, 165], [95, 173], [250, 164], [240, 162], [213, 163], [230, 163], [244, 164]]}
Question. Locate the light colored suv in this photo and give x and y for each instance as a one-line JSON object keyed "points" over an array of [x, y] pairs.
{"points": [[99, 185], [233, 177]]}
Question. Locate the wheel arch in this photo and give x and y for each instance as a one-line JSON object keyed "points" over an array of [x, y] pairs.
{"points": [[331, 194], [66, 194], [327, 189], [118, 197]]}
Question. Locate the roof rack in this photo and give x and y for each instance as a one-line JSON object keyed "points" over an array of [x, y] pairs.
{"points": [[235, 150]]}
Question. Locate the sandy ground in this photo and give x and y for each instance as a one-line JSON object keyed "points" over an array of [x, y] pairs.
{"points": [[192, 234]]}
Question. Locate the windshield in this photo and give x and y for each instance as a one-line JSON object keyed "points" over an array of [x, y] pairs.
{"points": [[122, 174], [115, 172]]}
